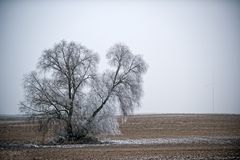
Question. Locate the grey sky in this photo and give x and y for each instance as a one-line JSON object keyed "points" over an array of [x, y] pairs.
{"points": [[187, 44]]}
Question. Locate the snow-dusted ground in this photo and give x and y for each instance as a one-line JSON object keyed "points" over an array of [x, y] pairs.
{"points": [[109, 142], [184, 140]]}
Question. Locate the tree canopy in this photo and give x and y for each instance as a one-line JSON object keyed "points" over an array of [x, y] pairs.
{"points": [[67, 89]]}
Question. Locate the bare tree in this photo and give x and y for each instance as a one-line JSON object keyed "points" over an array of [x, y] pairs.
{"points": [[67, 88], [123, 85], [64, 71]]}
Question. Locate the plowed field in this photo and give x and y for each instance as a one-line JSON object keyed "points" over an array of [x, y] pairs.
{"points": [[164, 136]]}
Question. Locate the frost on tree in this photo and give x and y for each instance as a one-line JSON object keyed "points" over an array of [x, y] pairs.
{"points": [[67, 90]]}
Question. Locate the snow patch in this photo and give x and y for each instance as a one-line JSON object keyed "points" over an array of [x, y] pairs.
{"points": [[109, 142], [184, 140]]}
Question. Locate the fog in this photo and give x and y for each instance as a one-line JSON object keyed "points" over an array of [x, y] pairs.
{"points": [[192, 47]]}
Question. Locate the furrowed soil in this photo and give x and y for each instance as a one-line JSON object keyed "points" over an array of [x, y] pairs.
{"points": [[143, 137]]}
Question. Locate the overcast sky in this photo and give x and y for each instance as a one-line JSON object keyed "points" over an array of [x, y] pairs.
{"points": [[191, 47]]}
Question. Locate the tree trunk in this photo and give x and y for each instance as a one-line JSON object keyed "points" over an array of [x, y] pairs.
{"points": [[69, 131], [69, 124]]}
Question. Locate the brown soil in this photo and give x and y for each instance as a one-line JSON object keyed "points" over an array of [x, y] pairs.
{"points": [[136, 127]]}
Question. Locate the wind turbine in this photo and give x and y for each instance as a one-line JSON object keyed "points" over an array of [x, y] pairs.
{"points": [[213, 92], [212, 85]]}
